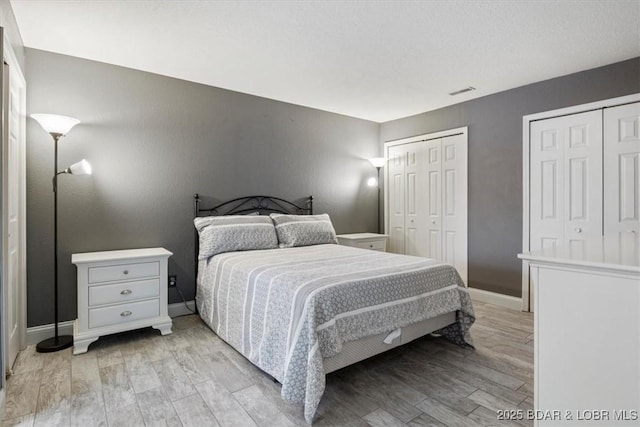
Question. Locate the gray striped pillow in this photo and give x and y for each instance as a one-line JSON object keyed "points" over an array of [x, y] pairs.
{"points": [[303, 230], [219, 234]]}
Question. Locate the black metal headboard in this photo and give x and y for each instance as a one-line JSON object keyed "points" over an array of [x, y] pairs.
{"points": [[248, 205], [251, 204]]}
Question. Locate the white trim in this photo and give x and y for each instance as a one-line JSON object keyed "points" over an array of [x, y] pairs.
{"points": [[426, 137], [36, 334], [597, 105], [179, 309], [506, 301], [12, 60], [526, 121]]}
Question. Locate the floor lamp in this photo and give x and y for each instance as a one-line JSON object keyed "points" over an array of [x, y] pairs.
{"points": [[57, 127], [378, 162]]}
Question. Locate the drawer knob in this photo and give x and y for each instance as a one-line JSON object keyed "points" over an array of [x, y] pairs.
{"points": [[125, 292], [632, 231], [370, 246], [578, 230], [126, 272], [125, 313]]}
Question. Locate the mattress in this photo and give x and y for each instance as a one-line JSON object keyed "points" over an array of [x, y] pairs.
{"points": [[286, 310]]}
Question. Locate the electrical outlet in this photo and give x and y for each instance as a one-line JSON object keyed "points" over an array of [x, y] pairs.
{"points": [[173, 281]]}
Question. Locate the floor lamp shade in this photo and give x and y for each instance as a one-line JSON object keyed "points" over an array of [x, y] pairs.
{"points": [[377, 162], [54, 123]]}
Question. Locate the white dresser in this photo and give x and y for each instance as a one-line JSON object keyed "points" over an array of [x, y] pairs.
{"points": [[587, 332], [119, 291], [373, 241]]}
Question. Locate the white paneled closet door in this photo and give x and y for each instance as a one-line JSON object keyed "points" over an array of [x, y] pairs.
{"points": [[454, 202], [433, 197], [396, 208], [566, 180], [415, 218], [622, 169], [427, 197]]}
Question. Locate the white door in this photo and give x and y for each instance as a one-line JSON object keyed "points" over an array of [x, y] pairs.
{"points": [[583, 179], [433, 198], [622, 169], [565, 205], [454, 203], [396, 206], [427, 197], [566, 174], [414, 220], [12, 205]]}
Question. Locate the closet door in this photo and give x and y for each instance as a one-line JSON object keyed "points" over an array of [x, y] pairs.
{"points": [[396, 207], [454, 203], [433, 198], [622, 169], [565, 180], [583, 178], [415, 218], [547, 189]]}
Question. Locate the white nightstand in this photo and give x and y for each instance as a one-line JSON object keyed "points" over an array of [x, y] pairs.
{"points": [[373, 241], [119, 291]]}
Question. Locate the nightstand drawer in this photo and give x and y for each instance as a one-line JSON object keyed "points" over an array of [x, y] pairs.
{"points": [[374, 245], [123, 272], [123, 313], [123, 292]]}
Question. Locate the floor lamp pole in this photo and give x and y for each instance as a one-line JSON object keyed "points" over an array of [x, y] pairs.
{"points": [[65, 341], [378, 207]]}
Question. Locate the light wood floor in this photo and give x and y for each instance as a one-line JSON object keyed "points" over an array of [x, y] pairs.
{"points": [[192, 378]]}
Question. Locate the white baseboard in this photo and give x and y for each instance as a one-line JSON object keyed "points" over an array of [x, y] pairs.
{"points": [[179, 309], [507, 301], [36, 334]]}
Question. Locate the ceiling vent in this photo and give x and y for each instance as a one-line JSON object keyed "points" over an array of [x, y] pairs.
{"points": [[466, 89]]}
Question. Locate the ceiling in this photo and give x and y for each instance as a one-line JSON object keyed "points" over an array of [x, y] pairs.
{"points": [[376, 60]]}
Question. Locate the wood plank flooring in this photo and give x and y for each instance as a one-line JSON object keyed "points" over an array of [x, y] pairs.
{"points": [[192, 378]]}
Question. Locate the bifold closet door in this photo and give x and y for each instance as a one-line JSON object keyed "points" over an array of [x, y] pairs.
{"points": [[407, 201], [454, 203], [415, 216], [565, 179], [446, 201], [433, 197], [622, 169], [396, 206], [427, 206]]}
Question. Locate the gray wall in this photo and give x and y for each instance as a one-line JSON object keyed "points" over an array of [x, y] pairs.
{"points": [[495, 159], [153, 141]]}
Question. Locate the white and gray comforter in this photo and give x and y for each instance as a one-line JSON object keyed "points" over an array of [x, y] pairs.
{"points": [[287, 309]]}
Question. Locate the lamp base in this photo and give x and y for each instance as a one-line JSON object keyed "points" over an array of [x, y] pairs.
{"points": [[54, 344]]}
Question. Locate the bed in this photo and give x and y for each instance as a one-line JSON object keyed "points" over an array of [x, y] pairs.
{"points": [[302, 306]]}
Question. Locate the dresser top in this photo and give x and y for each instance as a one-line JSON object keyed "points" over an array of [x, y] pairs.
{"points": [[361, 236], [621, 253], [119, 255]]}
